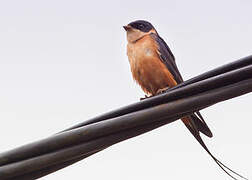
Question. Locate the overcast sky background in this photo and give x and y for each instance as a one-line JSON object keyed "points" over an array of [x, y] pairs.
{"points": [[63, 62]]}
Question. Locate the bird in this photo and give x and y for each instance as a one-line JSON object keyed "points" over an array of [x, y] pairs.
{"points": [[154, 68]]}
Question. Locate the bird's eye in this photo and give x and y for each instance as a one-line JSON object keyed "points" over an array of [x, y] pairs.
{"points": [[141, 26]]}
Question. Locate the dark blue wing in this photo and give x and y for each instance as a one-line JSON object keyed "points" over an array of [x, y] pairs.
{"points": [[167, 57]]}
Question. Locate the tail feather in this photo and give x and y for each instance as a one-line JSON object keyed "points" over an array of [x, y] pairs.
{"points": [[201, 124], [193, 128]]}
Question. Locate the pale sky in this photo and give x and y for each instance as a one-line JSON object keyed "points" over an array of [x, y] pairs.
{"points": [[63, 62]]}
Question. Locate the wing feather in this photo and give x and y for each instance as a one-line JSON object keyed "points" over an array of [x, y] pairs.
{"points": [[169, 60], [167, 57]]}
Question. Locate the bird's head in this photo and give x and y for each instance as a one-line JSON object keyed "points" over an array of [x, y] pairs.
{"points": [[137, 29]]}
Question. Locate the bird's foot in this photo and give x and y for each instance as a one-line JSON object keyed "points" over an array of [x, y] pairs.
{"points": [[161, 91], [145, 97]]}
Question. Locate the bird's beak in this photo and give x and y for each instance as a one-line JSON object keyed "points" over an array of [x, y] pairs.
{"points": [[127, 28]]}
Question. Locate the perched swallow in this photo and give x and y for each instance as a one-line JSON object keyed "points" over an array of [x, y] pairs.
{"points": [[154, 68]]}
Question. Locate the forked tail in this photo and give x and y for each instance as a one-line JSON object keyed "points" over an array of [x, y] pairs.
{"points": [[194, 128]]}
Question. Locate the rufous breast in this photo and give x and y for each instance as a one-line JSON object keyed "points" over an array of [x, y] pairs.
{"points": [[146, 66]]}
